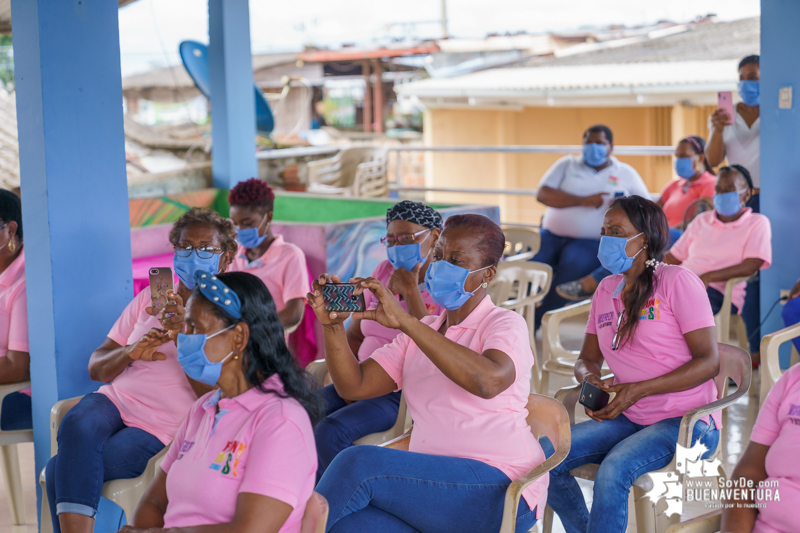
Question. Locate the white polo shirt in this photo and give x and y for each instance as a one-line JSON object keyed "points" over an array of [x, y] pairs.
{"points": [[743, 145], [572, 175]]}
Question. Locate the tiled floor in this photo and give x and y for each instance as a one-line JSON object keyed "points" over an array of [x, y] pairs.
{"points": [[739, 423]]}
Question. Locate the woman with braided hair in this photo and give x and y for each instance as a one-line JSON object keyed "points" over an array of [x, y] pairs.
{"points": [[653, 325], [279, 264]]}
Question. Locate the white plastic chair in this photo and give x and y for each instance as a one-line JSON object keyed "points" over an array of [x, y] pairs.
{"points": [[770, 358], [10, 458], [546, 417], [124, 492], [707, 523], [734, 363], [319, 369], [520, 286], [724, 319], [358, 172], [315, 518], [521, 243]]}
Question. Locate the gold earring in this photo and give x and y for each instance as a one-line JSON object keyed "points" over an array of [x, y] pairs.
{"points": [[485, 284], [12, 246], [236, 356]]}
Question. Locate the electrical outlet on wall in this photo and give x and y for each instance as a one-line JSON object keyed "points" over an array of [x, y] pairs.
{"points": [[785, 296]]}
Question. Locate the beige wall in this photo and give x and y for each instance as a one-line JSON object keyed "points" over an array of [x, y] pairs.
{"points": [[657, 126]]}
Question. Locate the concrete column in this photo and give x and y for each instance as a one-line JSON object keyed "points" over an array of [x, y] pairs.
{"points": [[378, 92], [367, 105], [74, 192], [780, 138], [233, 107]]}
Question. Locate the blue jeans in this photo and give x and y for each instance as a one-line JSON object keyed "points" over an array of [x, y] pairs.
{"points": [[715, 298], [624, 451], [570, 258], [344, 423], [16, 412], [599, 273], [791, 316], [369, 488], [94, 446]]}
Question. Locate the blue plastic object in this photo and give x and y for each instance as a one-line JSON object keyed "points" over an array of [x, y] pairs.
{"points": [[195, 58]]}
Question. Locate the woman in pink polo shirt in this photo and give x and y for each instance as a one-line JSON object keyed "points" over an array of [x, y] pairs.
{"points": [[14, 358], [730, 242], [113, 433], [281, 265], [244, 457], [769, 465], [465, 376], [653, 325], [412, 230]]}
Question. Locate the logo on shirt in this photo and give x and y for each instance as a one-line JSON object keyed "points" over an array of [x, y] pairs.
{"points": [[651, 311], [185, 447], [604, 320], [228, 459], [794, 411], [613, 181]]}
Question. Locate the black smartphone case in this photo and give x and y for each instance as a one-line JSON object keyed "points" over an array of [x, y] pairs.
{"points": [[592, 397], [340, 297]]}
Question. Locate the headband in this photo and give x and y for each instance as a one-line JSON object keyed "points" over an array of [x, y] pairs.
{"points": [[694, 142], [218, 293], [416, 213]]}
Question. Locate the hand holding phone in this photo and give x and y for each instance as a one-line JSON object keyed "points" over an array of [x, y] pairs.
{"points": [[341, 297], [593, 397], [161, 282]]}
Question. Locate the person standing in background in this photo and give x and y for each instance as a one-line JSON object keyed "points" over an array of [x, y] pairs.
{"points": [[738, 139]]}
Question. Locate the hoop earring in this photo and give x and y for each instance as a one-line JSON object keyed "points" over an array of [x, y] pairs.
{"points": [[12, 246], [485, 285]]}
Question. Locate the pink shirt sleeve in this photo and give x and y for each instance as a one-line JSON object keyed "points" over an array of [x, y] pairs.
{"points": [[767, 426], [680, 250], [759, 243], [392, 356], [124, 325], [295, 278], [279, 465], [689, 303], [591, 326], [508, 334], [18, 323]]}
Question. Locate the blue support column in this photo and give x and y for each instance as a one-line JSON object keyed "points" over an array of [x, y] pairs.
{"points": [[233, 108], [780, 142], [74, 192]]}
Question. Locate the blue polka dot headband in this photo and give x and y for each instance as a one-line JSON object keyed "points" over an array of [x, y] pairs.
{"points": [[218, 293]]}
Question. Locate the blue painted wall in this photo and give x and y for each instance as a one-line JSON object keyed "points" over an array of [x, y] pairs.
{"points": [[780, 146], [233, 108], [74, 192]]}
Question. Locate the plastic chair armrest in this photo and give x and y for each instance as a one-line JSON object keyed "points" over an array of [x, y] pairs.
{"points": [[551, 322], [770, 357], [399, 443], [318, 369], [525, 256], [690, 419], [57, 414], [568, 396]]}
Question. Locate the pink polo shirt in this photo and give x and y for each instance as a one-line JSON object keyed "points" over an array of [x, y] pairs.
{"points": [[709, 244], [676, 201], [151, 395], [778, 426], [450, 421], [376, 335], [258, 443], [14, 310], [678, 306], [282, 268]]}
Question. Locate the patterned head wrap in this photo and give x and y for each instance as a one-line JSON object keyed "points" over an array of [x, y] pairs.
{"points": [[415, 212]]}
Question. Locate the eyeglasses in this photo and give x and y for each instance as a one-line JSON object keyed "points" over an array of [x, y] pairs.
{"points": [[617, 336], [203, 252], [406, 238]]}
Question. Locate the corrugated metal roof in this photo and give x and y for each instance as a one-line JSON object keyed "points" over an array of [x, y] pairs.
{"points": [[549, 79]]}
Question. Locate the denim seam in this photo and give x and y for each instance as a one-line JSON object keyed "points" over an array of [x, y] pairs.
{"points": [[77, 501]]}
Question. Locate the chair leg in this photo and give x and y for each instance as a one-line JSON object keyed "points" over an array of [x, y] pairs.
{"points": [[645, 512], [544, 382], [45, 522], [547, 520], [13, 483]]}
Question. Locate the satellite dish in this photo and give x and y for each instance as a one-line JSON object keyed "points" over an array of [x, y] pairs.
{"points": [[195, 58]]}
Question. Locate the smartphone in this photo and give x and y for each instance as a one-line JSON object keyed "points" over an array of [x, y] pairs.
{"points": [[341, 297], [161, 282], [725, 102], [593, 397]]}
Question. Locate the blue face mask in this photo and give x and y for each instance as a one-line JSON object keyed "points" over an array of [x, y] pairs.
{"points": [[728, 204], [612, 254], [445, 283], [185, 267], [595, 154], [684, 167], [194, 361], [249, 237], [750, 92], [405, 256]]}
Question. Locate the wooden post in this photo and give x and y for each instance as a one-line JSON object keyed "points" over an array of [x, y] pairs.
{"points": [[378, 98], [367, 106]]}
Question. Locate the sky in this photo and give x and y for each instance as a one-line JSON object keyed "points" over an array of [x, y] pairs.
{"points": [[151, 30]]}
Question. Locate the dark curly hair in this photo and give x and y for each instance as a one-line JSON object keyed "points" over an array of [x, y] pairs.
{"points": [[741, 170], [266, 352], [252, 193], [204, 216], [649, 219], [11, 209], [492, 242]]}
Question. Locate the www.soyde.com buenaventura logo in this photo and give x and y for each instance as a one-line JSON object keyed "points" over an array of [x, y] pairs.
{"points": [[685, 484]]}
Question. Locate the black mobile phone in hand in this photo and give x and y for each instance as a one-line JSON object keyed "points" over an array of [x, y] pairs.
{"points": [[341, 297], [592, 397]]}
